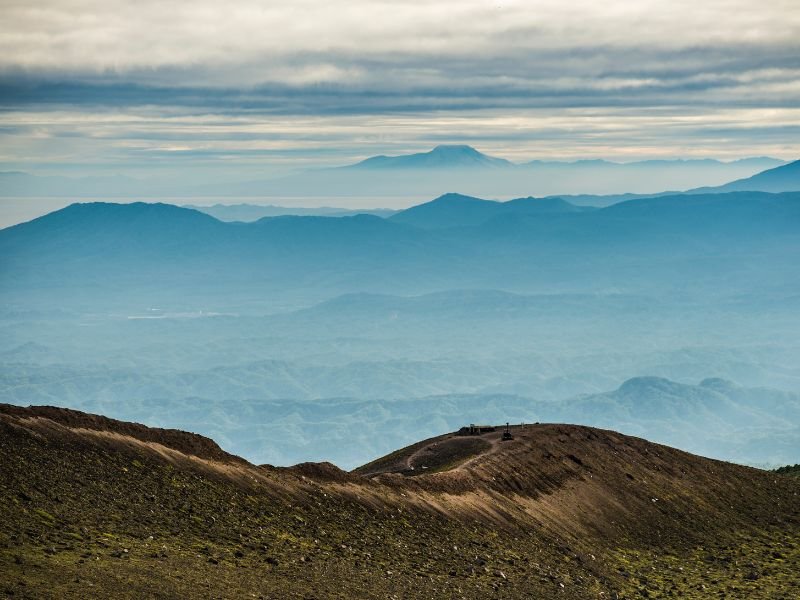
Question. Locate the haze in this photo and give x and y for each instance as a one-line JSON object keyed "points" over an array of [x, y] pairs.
{"points": [[277, 224]]}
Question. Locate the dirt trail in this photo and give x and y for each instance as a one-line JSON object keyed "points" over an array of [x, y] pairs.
{"points": [[496, 441], [411, 458], [561, 511]]}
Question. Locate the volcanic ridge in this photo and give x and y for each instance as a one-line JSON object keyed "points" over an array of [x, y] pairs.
{"points": [[94, 507]]}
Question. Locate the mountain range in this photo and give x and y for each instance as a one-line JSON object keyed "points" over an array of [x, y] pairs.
{"points": [[282, 412], [151, 312], [457, 210], [783, 178], [415, 176], [779, 179], [254, 212], [445, 243]]}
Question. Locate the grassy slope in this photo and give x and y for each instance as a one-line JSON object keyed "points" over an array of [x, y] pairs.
{"points": [[92, 513], [792, 470]]}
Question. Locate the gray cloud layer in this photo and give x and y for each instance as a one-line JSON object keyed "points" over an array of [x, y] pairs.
{"points": [[114, 81]]}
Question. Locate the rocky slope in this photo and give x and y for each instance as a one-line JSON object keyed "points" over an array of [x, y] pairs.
{"points": [[93, 507]]}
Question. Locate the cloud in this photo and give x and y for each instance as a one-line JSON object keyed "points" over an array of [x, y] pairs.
{"points": [[568, 79], [388, 45]]}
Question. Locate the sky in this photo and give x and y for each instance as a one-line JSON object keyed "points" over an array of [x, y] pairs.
{"points": [[206, 91]]}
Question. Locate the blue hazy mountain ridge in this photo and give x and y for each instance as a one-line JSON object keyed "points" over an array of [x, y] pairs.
{"points": [[254, 212], [110, 233], [757, 162], [457, 210], [428, 173], [441, 157], [122, 235], [308, 338], [704, 417], [714, 418], [354, 377], [784, 178], [422, 327], [417, 175], [87, 243], [578, 182]]}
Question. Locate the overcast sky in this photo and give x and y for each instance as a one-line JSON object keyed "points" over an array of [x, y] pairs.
{"points": [[225, 90]]}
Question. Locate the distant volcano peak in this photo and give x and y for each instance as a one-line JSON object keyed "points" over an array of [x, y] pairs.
{"points": [[443, 156], [456, 149]]}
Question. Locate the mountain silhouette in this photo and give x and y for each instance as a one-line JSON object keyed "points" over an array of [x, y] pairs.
{"points": [[455, 241], [441, 157], [785, 178], [457, 210], [445, 167]]}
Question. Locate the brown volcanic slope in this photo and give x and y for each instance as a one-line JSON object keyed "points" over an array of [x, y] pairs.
{"points": [[93, 507]]}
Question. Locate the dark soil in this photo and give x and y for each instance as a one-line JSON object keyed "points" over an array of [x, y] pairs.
{"points": [[429, 456], [94, 508]]}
